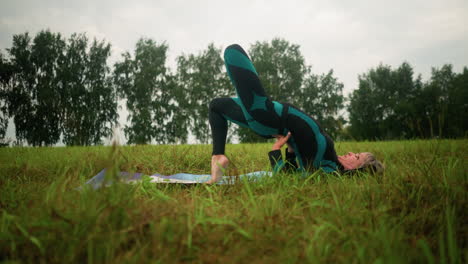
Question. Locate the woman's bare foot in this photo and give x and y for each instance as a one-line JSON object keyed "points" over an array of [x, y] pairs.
{"points": [[219, 163]]}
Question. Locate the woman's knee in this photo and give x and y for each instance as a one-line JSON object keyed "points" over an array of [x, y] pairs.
{"points": [[235, 47], [215, 104], [232, 52]]}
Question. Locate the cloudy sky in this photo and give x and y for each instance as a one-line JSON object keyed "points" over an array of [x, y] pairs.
{"points": [[347, 36]]}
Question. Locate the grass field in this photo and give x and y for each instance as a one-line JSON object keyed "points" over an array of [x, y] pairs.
{"points": [[416, 212]]}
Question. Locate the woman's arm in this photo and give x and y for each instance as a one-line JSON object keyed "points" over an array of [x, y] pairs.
{"points": [[275, 156], [291, 163]]}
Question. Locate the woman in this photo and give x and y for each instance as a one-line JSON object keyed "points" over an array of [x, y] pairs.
{"points": [[307, 142]]}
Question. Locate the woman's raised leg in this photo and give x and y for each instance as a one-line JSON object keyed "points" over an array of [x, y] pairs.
{"points": [[258, 109]]}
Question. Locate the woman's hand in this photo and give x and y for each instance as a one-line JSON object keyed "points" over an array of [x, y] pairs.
{"points": [[280, 141]]}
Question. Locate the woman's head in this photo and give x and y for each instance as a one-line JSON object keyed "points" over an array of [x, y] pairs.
{"points": [[363, 160]]}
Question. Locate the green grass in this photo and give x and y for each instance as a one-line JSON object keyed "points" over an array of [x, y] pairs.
{"points": [[416, 212]]}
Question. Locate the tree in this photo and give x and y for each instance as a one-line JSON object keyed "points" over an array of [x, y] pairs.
{"points": [[458, 108], [88, 101], [176, 128], [363, 118], [202, 78], [371, 105], [406, 103], [322, 98], [389, 104], [142, 82], [446, 94], [36, 87], [281, 67], [5, 76]]}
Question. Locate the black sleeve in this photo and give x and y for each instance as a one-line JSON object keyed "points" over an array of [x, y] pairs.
{"points": [[291, 163], [276, 161]]}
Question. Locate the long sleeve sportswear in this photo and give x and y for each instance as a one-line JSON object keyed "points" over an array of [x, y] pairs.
{"points": [[277, 163]]}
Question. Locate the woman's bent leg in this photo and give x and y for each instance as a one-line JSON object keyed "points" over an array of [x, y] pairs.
{"points": [[222, 110]]}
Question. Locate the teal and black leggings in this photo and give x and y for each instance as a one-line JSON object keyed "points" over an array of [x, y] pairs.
{"points": [[253, 109]]}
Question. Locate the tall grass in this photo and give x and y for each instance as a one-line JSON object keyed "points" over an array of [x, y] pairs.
{"points": [[415, 212]]}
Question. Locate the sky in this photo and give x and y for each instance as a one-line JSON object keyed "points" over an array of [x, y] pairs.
{"points": [[349, 37]]}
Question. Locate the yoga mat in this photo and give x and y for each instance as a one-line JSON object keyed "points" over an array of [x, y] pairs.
{"points": [[181, 178]]}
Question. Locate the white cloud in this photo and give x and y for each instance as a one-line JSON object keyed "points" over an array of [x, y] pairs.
{"points": [[348, 36]]}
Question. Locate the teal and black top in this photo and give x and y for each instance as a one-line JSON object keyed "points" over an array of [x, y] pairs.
{"points": [[313, 148]]}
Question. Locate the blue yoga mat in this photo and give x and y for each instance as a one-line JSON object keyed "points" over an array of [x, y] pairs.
{"points": [[181, 178]]}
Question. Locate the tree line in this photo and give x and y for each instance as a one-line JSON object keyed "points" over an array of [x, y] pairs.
{"points": [[64, 89]]}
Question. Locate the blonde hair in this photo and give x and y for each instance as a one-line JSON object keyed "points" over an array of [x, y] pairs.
{"points": [[371, 164]]}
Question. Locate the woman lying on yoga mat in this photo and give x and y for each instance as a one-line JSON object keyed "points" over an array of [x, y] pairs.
{"points": [[306, 140]]}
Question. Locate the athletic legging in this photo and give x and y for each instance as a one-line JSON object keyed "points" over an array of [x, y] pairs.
{"points": [[252, 108]]}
